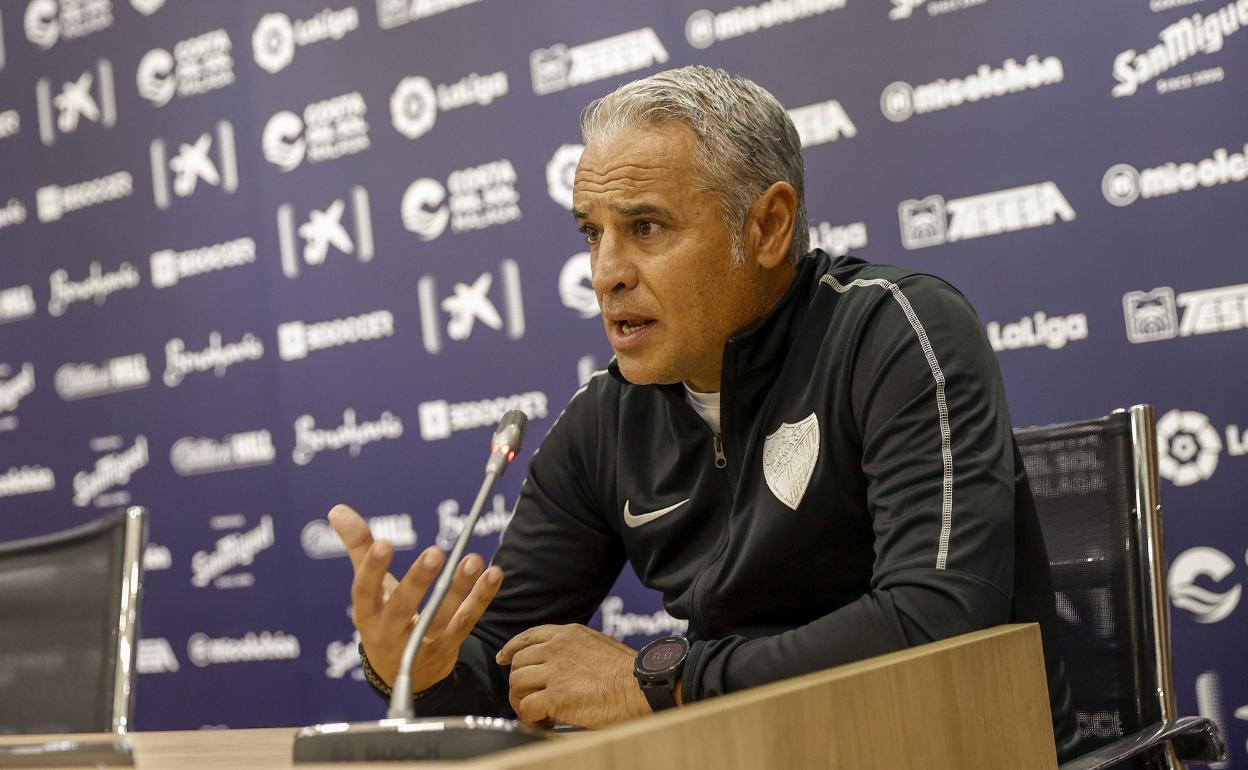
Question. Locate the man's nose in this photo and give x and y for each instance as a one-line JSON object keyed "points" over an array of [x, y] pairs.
{"points": [[613, 268]]}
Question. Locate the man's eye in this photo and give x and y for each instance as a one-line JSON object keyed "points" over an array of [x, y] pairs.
{"points": [[591, 233], [646, 228]]}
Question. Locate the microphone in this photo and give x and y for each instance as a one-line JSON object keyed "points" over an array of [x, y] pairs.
{"points": [[400, 737], [503, 449]]}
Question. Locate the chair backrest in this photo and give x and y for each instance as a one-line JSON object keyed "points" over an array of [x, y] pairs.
{"points": [[69, 627], [1096, 493]]}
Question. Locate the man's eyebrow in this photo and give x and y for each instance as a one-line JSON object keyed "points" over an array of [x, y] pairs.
{"points": [[638, 209], [629, 210]]}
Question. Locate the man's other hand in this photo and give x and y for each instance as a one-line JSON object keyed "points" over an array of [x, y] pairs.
{"points": [[572, 674], [384, 609]]}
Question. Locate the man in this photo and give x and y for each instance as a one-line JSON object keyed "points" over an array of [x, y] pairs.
{"points": [[809, 457]]}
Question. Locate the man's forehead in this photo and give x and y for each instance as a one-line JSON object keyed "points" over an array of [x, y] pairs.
{"points": [[645, 150]]}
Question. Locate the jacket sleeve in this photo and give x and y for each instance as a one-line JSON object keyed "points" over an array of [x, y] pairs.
{"points": [[559, 560], [936, 451]]}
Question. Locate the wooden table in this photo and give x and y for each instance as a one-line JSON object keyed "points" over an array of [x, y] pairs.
{"points": [[975, 701]]}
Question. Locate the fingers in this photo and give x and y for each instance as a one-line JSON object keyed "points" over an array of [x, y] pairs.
{"points": [[535, 707], [523, 682], [406, 597], [366, 588], [473, 607], [535, 635], [530, 656], [462, 581], [352, 530]]}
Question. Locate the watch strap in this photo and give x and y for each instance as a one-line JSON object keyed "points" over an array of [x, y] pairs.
{"points": [[659, 696]]}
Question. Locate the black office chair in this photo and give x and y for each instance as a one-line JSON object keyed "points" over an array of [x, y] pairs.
{"points": [[1096, 491], [69, 608]]}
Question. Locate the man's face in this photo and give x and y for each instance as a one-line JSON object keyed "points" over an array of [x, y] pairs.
{"points": [[662, 269]]}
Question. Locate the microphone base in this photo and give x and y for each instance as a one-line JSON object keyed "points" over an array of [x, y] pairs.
{"points": [[409, 740]]}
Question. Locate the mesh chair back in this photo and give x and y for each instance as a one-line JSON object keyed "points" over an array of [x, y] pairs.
{"points": [[64, 600], [1082, 476]]}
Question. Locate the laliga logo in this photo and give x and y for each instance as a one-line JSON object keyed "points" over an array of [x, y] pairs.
{"points": [[273, 42], [576, 286], [413, 107], [275, 37], [422, 210], [561, 173], [1208, 606], [1187, 447]]}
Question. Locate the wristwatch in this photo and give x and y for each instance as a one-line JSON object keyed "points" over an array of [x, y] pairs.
{"points": [[658, 668]]}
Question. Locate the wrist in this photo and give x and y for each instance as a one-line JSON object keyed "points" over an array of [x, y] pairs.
{"points": [[658, 669]]}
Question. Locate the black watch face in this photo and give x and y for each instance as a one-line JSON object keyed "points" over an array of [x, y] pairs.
{"points": [[663, 655]]}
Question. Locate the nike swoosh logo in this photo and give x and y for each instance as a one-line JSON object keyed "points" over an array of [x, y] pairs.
{"points": [[643, 518]]}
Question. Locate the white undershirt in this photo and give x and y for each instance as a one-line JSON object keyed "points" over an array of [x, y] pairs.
{"points": [[706, 405]]}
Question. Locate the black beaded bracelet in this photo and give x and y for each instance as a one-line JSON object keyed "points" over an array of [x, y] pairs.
{"points": [[378, 683], [371, 677]]}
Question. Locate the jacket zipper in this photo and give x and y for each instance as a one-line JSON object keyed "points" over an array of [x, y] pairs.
{"points": [[721, 462]]}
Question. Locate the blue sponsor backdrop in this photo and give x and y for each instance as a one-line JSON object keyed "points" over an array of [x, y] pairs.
{"points": [[259, 258]]}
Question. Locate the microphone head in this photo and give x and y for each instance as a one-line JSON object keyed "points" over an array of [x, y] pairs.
{"points": [[517, 420], [505, 444]]}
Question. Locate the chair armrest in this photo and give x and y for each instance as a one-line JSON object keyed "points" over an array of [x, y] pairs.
{"points": [[1194, 738]]}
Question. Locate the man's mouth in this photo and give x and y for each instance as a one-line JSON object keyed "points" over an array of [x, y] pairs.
{"points": [[631, 326]]}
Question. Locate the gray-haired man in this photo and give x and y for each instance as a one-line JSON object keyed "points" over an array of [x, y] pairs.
{"points": [[809, 457]]}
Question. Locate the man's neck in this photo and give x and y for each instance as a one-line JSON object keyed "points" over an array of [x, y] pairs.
{"points": [[772, 286]]}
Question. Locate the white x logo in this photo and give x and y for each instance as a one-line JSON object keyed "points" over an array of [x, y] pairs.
{"points": [[75, 101], [468, 304], [322, 229], [192, 164]]}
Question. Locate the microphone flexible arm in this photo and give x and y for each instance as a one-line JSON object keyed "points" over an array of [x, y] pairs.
{"points": [[401, 697], [503, 449]]}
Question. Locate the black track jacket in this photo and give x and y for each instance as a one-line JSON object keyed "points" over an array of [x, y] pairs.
{"points": [[868, 497]]}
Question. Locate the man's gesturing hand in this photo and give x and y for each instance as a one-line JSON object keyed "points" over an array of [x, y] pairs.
{"points": [[384, 609], [572, 674]]}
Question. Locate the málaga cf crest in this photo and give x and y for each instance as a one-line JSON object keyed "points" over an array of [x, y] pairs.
{"points": [[789, 457]]}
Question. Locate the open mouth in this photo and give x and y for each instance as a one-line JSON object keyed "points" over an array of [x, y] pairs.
{"points": [[631, 326]]}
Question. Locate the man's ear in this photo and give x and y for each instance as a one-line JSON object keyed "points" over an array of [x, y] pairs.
{"points": [[771, 222]]}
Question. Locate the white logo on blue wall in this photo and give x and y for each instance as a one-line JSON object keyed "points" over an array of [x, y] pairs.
{"points": [[325, 229], [1187, 447], [561, 66], [561, 173], [620, 624], [1150, 315], [451, 523], [197, 65], [275, 38], [194, 163], [933, 220], [705, 28], [469, 303], [91, 97], [576, 288], [48, 21], [422, 211], [273, 42], [1122, 184], [1207, 605], [282, 140], [413, 107]]}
